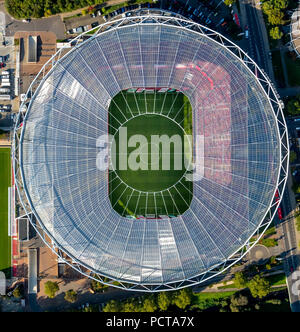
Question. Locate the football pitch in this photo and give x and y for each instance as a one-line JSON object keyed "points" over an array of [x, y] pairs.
{"points": [[5, 240], [150, 189]]}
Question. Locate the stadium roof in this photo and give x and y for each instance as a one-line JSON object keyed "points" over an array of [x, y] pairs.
{"points": [[295, 30], [232, 101]]}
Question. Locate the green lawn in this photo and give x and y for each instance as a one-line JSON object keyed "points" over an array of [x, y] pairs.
{"points": [[293, 70], [211, 295], [269, 243], [277, 279], [227, 286], [149, 190], [277, 66], [5, 243], [110, 9]]}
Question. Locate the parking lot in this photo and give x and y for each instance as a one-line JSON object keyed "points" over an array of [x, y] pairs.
{"points": [[211, 13], [7, 74], [79, 24]]}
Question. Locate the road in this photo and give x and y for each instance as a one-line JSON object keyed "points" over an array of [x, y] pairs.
{"points": [[287, 226], [258, 41], [291, 262], [289, 91]]}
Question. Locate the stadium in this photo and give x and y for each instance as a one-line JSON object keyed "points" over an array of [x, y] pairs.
{"points": [[149, 228], [295, 31]]}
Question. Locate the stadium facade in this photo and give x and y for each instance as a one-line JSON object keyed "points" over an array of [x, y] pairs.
{"points": [[295, 31], [235, 108]]}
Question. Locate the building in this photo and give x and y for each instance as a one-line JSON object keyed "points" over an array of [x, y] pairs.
{"points": [[32, 49], [295, 31]]}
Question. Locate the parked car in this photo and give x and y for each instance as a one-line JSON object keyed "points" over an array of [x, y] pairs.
{"points": [[94, 25], [220, 22], [246, 32], [79, 29]]}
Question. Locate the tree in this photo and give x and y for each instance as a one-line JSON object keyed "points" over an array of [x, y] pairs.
{"points": [[273, 260], [240, 280], [71, 296], [268, 266], [51, 288], [296, 188], [112, 306], [47, 12], [271, 5], [276, 33], [237, 303], [276, 17], [90, 308], [183, 298], [259, 286], [293, 156], [280, 4], [274, 9], [274, 302], [229, 2], [91, 10], [149, 304], [234, 309], [130, 306], [18, 292], [293, 106], [98, 286], [164, 300]]}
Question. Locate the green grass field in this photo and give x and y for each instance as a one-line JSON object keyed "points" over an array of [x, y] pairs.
{"points": [[208, 296], [277, 280], [293, 70], [149, 190], [5, 241]]}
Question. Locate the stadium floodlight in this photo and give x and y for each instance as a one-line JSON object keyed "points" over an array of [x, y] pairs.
{"points": [[235, 109], [295, 31]]}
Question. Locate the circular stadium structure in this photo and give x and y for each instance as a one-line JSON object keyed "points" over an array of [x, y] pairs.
{"points": [[295, 30], [244, 153]]}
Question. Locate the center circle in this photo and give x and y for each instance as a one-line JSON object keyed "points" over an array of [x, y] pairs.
{"points": [[144, 157], [154, 153]]}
